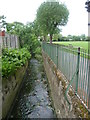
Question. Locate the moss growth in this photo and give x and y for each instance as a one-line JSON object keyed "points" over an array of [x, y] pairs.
{"points": [[78, 107], [8, 98], [71, 93], [38, 57], [84, 112]]}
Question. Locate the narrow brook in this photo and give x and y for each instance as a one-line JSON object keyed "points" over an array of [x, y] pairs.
{"points": [[33, 100]]}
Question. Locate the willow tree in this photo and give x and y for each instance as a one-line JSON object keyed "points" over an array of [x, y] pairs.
{"points": [[51, 15]]}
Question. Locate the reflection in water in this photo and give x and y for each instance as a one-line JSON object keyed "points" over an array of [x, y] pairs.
{"points": [[33, 100]]}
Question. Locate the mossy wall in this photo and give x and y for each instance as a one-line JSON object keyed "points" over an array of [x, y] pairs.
{"points": [[10, 87], [58, 85]]}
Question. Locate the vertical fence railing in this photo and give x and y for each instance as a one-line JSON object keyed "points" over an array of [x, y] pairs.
{"points": [[78, 61], [8, 41], [71, 61]]}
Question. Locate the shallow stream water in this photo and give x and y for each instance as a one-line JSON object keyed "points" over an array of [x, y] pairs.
{"points": [[33, 100]]}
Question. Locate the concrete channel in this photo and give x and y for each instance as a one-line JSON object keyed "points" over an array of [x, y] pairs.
{"points": [[33, 100]]}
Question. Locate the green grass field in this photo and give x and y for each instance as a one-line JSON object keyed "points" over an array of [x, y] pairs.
{"points": [[81, 44]]}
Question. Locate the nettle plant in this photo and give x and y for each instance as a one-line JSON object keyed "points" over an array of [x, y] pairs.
{"points": [[13, 59]]}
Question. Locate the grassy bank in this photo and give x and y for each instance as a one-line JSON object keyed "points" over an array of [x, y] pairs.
{"points": [[81, 44]]}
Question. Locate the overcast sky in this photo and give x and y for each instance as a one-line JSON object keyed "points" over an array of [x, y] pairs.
{"points": [[25, 11]]}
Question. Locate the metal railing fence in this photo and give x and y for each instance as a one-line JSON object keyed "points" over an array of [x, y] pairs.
{"points": [[71, 60]]}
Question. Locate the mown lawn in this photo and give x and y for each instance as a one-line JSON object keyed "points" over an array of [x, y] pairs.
{"points": [[81, 44]]}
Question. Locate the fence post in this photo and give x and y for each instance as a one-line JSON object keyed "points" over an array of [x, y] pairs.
{"points": [[10, 41], [88, 83], [78, 60], [57, 56], [50, 50], [15, 41]]}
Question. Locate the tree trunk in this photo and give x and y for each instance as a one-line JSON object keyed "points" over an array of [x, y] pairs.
{"points": [[44, 38], [50, 39]]}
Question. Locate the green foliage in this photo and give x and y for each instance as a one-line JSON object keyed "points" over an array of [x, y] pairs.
{"points": [[76, 38], [38, 57], [59, 37], [29, 39], [83, 37], [36, 29], [2, 21], [13, 59], [56, 37], [28, 34], [50, 15], [32, 43], [38, 50], [14, 28], [38, 54]]}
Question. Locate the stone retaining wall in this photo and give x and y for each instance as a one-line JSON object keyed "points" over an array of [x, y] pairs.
{"points": [[58, 85], [10, 88]]}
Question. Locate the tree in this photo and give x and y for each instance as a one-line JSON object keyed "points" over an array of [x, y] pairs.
{"points": [[69, 37], [57, 37], [14, 28], [83, 37], [36, 29], [39, 31], [76, 38], [51, 15], [2, 22], [28, 38]]}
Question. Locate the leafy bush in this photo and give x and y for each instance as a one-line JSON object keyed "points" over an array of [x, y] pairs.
{"points": [[13, 59], [38, 54], [38, 50], [31, 44]]}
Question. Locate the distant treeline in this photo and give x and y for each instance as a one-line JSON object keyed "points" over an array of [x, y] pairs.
{"points": [[72, 38], [59, 37]]}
